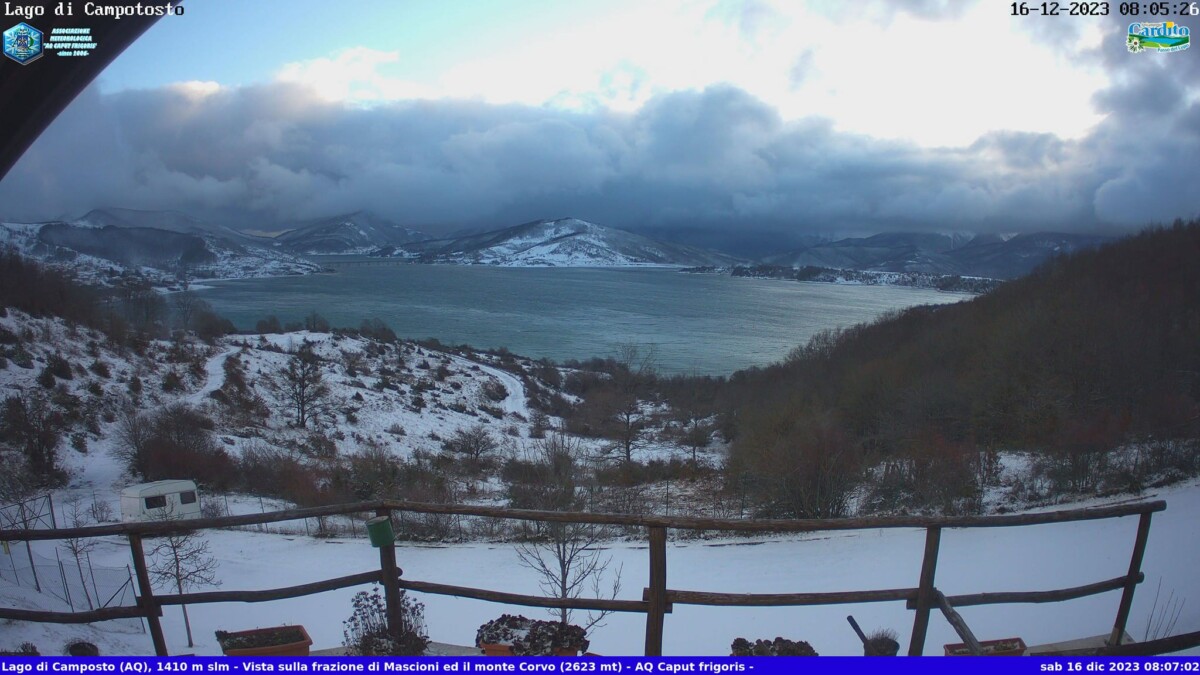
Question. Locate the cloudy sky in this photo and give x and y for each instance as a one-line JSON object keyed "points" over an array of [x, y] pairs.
{"points": [[735, 119]]}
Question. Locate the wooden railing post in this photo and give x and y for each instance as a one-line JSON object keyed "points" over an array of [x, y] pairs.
{"points": [[925, 592], [390, 576], [146, 596], [1131, 580], [960, 626], [657, 591]]}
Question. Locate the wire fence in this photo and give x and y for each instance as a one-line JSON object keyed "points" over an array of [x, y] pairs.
{"points": [[36, 513], [69, 577]]}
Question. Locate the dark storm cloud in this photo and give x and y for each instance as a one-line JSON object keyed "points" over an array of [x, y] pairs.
{"points": [[716, 160], [1149, 140]]}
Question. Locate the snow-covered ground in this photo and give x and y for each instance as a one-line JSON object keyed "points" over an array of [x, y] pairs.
{"points": [[991, 559], [454, 392]]}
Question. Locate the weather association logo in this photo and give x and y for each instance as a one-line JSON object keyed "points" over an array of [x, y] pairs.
{"points": [[1157, 37], [23, 43]]}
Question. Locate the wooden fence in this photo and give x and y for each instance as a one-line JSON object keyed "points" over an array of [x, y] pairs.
{"points": [[657, 598]]}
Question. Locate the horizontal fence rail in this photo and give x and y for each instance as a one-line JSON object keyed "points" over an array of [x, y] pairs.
{"points": [[150, 529], [657, 599]]}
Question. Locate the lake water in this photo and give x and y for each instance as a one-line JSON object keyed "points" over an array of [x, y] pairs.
{"points": [[698, 323]]}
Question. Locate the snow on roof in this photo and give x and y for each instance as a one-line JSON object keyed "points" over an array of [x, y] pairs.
{"points": [[158, 487]]}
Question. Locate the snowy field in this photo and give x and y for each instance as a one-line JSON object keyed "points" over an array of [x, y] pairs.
{"points": [[1024, 558]]}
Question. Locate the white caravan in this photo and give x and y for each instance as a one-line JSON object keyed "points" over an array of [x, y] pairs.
{"points": [[160, 499]]}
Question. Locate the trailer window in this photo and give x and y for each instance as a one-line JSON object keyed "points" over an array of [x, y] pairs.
{"points": [[188, 497], [158, 502]]}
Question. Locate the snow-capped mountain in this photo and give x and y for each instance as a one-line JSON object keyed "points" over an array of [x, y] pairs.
{"points": [[98, 250], [350, 233], [990, 256], [566, 242]]}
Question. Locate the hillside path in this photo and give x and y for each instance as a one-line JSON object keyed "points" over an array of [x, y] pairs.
{"points": [[214, 370], [515, 402]]}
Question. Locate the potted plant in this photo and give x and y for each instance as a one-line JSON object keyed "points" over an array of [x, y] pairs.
{"points": [[777, 647], [366, 632], [1006, 647], [274, 641], [512, 635]]}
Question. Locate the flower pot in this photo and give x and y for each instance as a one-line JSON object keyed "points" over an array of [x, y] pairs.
{"points": [[490, 649], [274, 641], [1006, 647]]}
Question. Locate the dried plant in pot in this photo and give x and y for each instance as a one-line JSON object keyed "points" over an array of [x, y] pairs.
{"points": [[882, 642], [273, 641], [25, 649], [515, 635], [777, 647]]}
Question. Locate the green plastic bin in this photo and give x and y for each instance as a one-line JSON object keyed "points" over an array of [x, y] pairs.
{"points": [[379, 530]]}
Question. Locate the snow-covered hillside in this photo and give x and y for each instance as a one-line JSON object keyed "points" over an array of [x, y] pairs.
{"points": [[100, 253], [566, 242]]}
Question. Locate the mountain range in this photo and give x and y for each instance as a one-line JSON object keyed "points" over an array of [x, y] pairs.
{"points": [[108, 244], [564, 242], [168, 241]]}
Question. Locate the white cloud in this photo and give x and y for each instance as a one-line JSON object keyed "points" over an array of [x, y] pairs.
{"points": [[925, 77], [353, 76]]}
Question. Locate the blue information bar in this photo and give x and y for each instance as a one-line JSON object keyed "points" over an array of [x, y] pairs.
{"points": [[715, 665]]}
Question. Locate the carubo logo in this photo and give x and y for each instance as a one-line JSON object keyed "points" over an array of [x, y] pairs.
{"points": [[1159, 37]]}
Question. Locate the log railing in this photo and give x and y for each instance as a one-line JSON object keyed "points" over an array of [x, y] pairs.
{"points": [[657, 598]]}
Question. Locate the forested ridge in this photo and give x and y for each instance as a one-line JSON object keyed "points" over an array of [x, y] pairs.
{"points": [[1089, 354]]}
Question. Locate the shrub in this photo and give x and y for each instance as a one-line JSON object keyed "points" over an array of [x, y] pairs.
{"points": [[59, 367], [777, 647], [495, 391], [172, 381], [46, 378]]}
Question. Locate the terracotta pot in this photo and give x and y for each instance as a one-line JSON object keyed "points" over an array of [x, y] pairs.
{"points": [[1006, 647], [295, 648], [490, 649]]}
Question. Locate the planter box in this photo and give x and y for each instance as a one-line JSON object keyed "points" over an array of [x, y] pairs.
{"points": [[490, 649], [1006, 647], [292, 647]]}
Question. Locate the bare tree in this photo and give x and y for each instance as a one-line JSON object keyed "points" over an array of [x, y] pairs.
{"points": [[133, 435], [79, 547], [187, 304], [634, 372], [566, 556], [301, 385], [31, 424], [182, 560]]}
